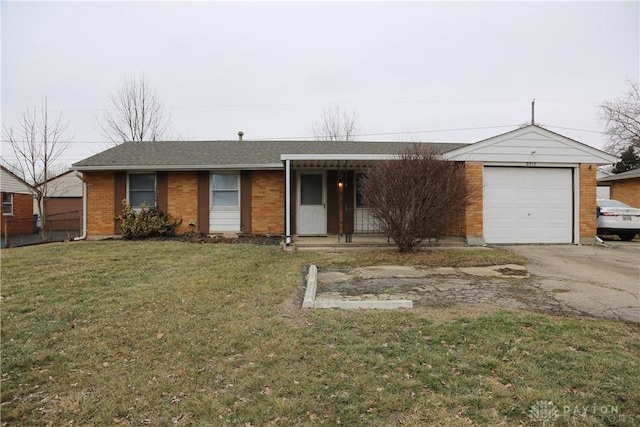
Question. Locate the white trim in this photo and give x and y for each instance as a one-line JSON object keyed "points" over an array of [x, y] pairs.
{"points": [[531, 164], [287, 203], [334, 156], [177, 168]]}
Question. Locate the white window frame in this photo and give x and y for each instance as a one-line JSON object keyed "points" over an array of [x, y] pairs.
{"points": [[10, 203], [223, 190], [155, 189]]}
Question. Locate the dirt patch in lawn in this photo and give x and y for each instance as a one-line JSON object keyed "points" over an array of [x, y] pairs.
{"points": [[449, 288]]}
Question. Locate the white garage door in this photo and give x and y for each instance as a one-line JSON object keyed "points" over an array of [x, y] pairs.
{"points": [[528, 205]]}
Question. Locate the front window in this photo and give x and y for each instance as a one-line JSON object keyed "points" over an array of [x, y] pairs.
{"points": [[225, 191], [142, 189], [7, 203]]}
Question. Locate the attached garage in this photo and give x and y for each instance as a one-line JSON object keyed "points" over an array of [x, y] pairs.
{"points": [[528, 205], [533, 186]]}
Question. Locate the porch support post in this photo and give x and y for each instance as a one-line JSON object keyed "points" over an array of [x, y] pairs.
{"points": [[287, 202]]}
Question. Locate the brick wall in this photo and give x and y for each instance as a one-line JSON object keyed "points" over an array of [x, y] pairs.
{"points": [[457, 226], [182, 198], [627, 191], [588, 185], [474, 212], [21, 222], [100, 203], [267, 202]]}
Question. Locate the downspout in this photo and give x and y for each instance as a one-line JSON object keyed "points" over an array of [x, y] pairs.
{"points": [[84, 212], [287, 214]]}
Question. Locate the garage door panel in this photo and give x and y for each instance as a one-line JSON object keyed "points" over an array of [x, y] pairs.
{"points": [[528, 205]]}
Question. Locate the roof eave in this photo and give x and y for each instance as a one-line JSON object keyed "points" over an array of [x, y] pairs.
{"points": [[104, 168], [618, 178], [284, 157]]}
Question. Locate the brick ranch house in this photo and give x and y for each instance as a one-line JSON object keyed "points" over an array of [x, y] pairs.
{"points": [[624, 186], [531, 186], [17, 204]]}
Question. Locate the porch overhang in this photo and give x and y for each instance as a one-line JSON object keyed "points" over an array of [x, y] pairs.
{"points": [[334, 161]]}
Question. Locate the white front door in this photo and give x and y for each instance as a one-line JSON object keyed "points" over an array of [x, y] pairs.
{"points": [[312, 217]]}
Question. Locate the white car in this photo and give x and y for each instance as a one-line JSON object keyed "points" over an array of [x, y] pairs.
{"points": [[615, 217]]}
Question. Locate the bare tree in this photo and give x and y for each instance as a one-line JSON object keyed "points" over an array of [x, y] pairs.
{"points": [[337, 125], [37, 143], [622, 119], [415, 196], [134, 113]]}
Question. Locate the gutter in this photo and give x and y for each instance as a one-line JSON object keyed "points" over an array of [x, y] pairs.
{"points": [[177, 168], [84, 213]]}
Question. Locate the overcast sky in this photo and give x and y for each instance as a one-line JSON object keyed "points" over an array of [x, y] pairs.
{"points": [[407, 69]]}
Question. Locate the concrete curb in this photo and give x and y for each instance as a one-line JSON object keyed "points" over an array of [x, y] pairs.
{"points": [[312, 284], [377, 304]]}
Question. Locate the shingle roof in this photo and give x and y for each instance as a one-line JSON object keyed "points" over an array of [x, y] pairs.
{"points": [[184, 155]]}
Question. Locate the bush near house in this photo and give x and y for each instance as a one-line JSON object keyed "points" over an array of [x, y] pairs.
{"points": [[416, 196], [146, 222]]}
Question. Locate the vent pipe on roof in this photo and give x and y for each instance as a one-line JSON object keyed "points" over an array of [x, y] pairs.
{"points": [[240, 135], [533, 111]]}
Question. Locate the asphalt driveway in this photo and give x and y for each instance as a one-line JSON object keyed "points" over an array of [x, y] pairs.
{"points": [[598, 280]]}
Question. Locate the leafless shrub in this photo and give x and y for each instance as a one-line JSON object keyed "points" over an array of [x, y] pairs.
{"points": [[415, 196]]}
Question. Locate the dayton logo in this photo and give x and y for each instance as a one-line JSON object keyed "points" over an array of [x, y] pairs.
{"points": [[543, 412]]}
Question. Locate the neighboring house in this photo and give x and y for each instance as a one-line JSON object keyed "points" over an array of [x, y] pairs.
{"points": [[531, 185], [17, 204], [624, 186], [63, 204]]}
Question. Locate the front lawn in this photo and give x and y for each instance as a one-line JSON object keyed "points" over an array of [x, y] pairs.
{"points": [[170, 333]]}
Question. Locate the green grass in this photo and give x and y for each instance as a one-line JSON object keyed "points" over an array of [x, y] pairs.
{"points": [[167, 333]]}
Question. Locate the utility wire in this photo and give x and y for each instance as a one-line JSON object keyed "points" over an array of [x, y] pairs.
{"points": [[300, 104], [366, 134], [316, 137]]}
